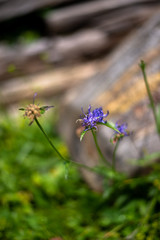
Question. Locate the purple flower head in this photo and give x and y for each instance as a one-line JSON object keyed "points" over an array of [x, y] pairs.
{"points": [[122, 128], [92, 118]]}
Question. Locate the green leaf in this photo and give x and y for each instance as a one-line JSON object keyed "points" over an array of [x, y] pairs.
{"points": [[45, 108], [22, 109], [82, 134], [42, 110]]}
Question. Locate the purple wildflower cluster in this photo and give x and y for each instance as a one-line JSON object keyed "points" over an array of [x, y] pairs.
{"points": [[92, 118], [122, 128]]}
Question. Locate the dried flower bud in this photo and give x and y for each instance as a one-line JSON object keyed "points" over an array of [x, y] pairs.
{"points": [[33, 111]]}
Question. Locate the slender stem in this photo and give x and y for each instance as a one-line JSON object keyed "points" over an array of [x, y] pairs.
{"points": [[58, 153], [143, 68], [55, 149], [98, 148], [114, 156]]}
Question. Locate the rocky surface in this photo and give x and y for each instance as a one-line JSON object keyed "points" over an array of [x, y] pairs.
{"points": [[121, 90]]}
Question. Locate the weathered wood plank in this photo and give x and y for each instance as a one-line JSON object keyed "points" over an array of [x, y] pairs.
{"points": [[79, 45], [122, 19], [105, 32], [121, 90], [70, 17], [30, 58], [43, 54]]}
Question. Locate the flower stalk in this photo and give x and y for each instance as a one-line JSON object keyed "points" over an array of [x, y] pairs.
{"points": [[33, 111], [98, 148], [114, 156], [143, 68], [46, 136], [58, 153]]}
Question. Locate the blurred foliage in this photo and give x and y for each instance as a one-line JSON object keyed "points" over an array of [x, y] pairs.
{"points": [[23, 30], [38, 202], [28, 37], [24, 37], [11, 68]]}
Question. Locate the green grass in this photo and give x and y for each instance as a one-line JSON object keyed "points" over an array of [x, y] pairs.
{"points": [[37, 202]]}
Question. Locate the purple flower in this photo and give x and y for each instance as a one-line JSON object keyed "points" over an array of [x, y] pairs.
{"points": [[122, 128], [92, 118]]}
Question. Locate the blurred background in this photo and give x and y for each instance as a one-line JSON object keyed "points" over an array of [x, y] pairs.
{"points": [[51, 46], [72, 53]]}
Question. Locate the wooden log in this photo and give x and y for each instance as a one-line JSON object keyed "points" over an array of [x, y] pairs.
{"points": [[30, 59], [105, 33], [47, 84], [123, 19], [80, 45], [65, 19], [43, 54], [15, 8], [121, 90]]}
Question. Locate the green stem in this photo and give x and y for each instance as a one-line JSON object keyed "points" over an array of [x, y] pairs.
{"points": [[114, 156], [55, 149], [98, 148], [58, 153], [143, 68]]}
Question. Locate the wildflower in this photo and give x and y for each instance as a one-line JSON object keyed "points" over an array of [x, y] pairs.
{"points": [[122, 128], [33, 111], [92, 118]]}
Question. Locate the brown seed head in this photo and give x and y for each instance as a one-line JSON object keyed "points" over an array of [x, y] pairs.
{"points": [[32, 111]]}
